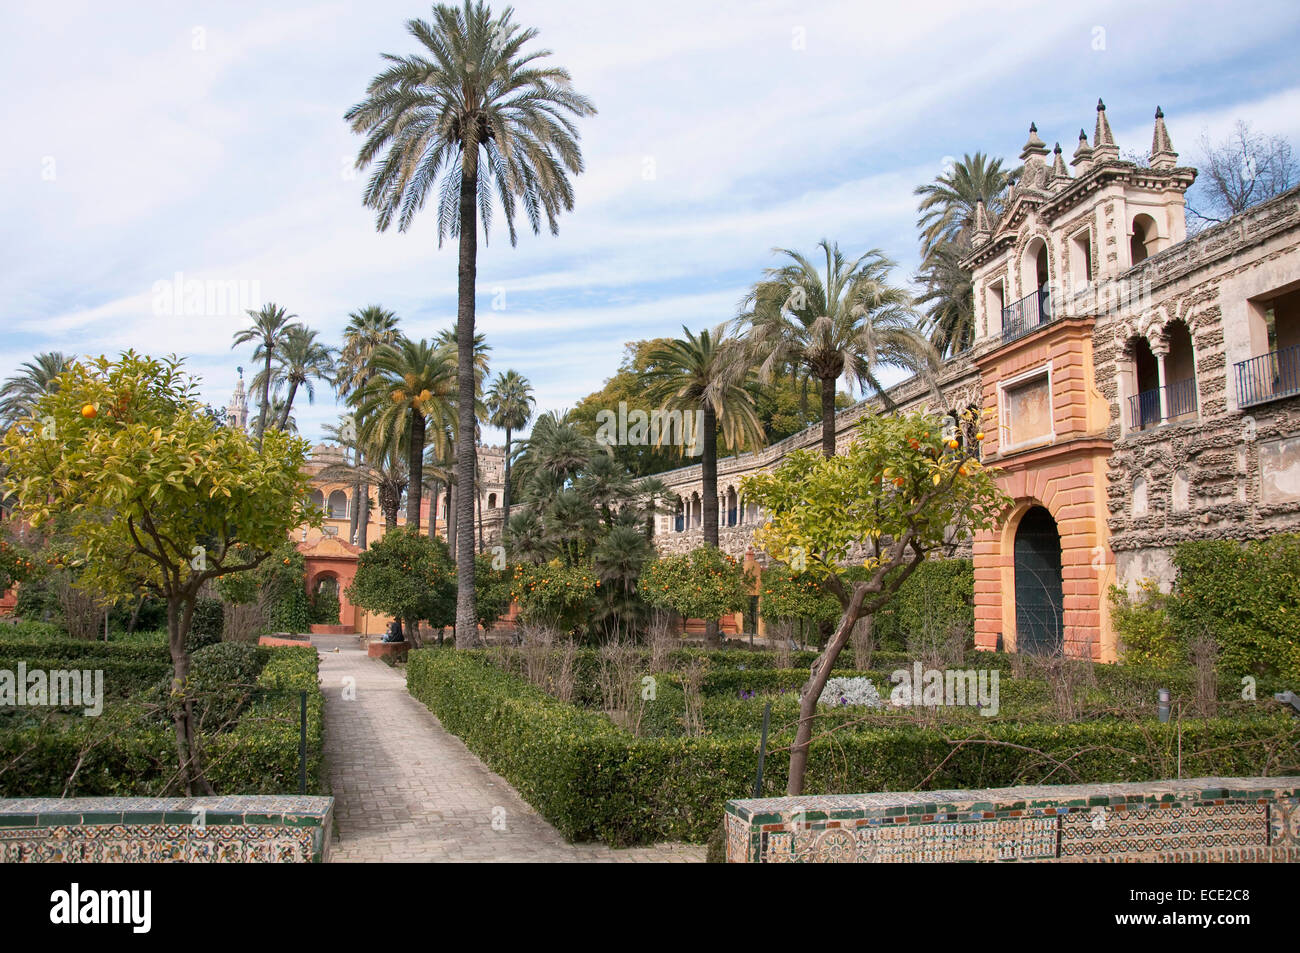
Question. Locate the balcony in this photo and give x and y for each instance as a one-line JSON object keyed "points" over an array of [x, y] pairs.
{"points": [[1268, 377], [1023, 316], [1144, 408]]}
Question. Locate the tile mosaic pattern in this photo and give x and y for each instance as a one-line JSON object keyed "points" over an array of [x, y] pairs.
{"points": [[1198, 820], [254, 828]]}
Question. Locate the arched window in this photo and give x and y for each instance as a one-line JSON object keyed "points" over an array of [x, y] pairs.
{"points": [[492, 501], [732, 516], [338, 506], [318, 499], [1180, 372], [679, 517], [1142, 243]]}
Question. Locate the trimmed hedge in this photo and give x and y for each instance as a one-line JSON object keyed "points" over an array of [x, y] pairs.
{"points": [[126, 752], [594, 781]]}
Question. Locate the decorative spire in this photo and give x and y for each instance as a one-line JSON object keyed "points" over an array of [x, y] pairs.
{"points": [[1103, 140], [1034, 146], [1163, 155], [1082, 160], [1060, 175], [982, 230]]}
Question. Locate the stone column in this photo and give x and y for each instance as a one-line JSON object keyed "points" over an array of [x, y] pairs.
{"points": [[1161, 351]]}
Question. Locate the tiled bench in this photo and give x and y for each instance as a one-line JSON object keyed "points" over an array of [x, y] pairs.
{"points": [[267, 828], [1195, 820]]}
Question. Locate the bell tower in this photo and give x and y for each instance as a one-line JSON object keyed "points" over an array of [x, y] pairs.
{"points": [[237, 412]]}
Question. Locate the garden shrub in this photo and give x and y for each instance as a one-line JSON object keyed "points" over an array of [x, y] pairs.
{"points": [[325, 607], [554, 595], [1247, 597], [206, 623], [1146, 635], [595, 781], [705, 583], [940, 593]]}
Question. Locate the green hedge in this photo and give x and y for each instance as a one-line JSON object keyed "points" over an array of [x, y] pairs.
{"points": [[132, 754], [940, 591], [594, 781]]}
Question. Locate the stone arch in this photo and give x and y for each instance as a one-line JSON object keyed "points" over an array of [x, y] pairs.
{"points": [[337, 505], [318, 499]]}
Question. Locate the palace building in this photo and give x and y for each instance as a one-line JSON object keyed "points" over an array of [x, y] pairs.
{"points": [[1145, 387]]}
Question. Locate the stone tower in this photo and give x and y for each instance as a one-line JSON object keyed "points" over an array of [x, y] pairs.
{"points": [[237, 412]]}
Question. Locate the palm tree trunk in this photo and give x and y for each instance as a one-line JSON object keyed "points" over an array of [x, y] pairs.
{"points": [[452, 522], [266, 398], [288, 405], [478, 503], [828, 417], [505, 493], [467, 275], [415, 464], [434, 490], [709, 466], [363, 515]]}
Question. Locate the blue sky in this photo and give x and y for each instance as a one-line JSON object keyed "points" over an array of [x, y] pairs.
{"points": [[208, 139]]}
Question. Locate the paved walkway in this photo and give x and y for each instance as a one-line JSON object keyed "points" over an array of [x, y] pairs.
{"points": [[406, 789]]}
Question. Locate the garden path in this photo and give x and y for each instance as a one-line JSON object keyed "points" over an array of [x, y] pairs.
{"points": [[406, 789]]}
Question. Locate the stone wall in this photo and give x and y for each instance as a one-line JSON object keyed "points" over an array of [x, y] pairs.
{"points": [[1196, 820], [238, 828]]}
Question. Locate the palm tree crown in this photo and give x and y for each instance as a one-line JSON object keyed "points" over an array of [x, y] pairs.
{"points": [[271, 325], [35, 379], [510, 406], [847, 320]]}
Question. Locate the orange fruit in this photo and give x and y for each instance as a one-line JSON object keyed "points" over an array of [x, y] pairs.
{"points": [[89, 412], [953, 444], [980, 435]]}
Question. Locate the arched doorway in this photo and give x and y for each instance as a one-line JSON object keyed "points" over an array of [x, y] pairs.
{"points": [[1039, 598]]}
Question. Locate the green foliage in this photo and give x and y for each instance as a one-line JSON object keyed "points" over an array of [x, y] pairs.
{"points": [[29, 630], [325, 607], [1146, 634], [16, 562], [785, 594], [555, 594], [1247, 596], [408, 576], [491, 590], [206, 625], [938, 597], [594, 781], [705, 583]]}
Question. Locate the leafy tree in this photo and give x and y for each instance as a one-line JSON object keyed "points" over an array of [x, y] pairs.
{"points": [[408, 576], [271, 326], [492, 590], [705, 583], [158, 494], [849, 320], [478, 112], [554, 594], [895, 497], [785, 594]]}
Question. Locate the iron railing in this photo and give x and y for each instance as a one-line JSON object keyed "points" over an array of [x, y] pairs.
{"points": [[1269, 376], [1144, 408], [1023, 316]]}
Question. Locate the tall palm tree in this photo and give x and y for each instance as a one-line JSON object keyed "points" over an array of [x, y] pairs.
{"points": [[477, 116], [271, 326], [847, 320], [409, 394], [947, 222], [35, 379], [707, 372], [301, 359], [367, 330], [510, 407]]}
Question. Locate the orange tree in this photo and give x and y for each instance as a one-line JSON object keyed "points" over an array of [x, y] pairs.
{"points": [[900, 493], [705, 583], [157, 495], [409, 576]]}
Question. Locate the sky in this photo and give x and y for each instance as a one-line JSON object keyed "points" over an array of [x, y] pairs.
{"points": [[183, 141]]}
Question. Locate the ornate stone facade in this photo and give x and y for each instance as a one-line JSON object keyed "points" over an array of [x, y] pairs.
{"points": [[1145, 387]]}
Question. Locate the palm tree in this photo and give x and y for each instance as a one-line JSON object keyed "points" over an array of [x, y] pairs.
{"points": [[367, 330], [379, 465], [300, 359], [478, 117], [510, 406], [947, 209], [848, 321], [947, 221], [408, 395], [707, 372], [35, 379], [654, 494], [270, 327]]}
